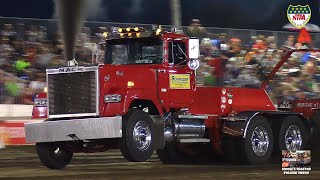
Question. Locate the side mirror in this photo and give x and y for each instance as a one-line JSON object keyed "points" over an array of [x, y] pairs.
{"points": [[194, 49], [193, 64]]}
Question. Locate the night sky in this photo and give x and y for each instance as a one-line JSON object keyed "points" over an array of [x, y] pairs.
{"points": [[250, 14]]}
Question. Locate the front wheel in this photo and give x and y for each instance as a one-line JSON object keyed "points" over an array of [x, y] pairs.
{"points": [[258, 143], [137, 136], [53, 156], [292, 135]]}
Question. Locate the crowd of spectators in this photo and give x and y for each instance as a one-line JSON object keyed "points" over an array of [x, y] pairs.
{"points": [[227, 61], [26, 51]]}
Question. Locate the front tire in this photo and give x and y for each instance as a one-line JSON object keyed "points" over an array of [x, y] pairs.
{"points": [[53, 156], [137, 136], [292, 135], [258, 143]]}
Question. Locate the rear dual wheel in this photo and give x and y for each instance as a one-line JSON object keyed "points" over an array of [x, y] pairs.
{"points": [[293, 134], [257, 146]]}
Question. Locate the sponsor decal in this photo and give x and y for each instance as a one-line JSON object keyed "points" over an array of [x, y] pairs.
{"points": [[70, 69], [285, 104], [223, 99], [179, 81], [224, 91], [107, 77], [299, 15], [307, 105]]}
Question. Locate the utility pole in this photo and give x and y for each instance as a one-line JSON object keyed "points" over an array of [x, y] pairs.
{"points": [[176, 13]]}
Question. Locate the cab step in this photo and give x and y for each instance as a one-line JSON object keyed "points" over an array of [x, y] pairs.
{"points": [[196, 140]]}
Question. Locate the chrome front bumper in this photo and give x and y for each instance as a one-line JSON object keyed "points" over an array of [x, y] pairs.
{"points": [[75, 129]]}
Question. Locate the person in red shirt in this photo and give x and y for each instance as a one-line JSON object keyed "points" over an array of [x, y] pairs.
{"points": [[218, 63]]}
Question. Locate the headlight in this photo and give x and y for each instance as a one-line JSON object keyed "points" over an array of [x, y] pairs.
{"points": [[40, 102], [110, 98]]}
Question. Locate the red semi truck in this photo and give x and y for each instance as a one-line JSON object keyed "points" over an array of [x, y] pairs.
{"points": [[147, 96]]}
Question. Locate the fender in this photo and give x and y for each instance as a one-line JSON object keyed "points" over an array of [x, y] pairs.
{"points": [[135, 94], [128, 95], [236, 123]]}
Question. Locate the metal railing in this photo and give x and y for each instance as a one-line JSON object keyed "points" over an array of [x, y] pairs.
{"points": [[50, 26]]}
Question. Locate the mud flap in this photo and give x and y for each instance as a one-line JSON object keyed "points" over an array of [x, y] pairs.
{"points": [[158, 122], [315, 142]]}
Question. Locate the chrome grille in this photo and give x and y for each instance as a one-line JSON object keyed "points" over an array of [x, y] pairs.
{"points": [[72, 94]]}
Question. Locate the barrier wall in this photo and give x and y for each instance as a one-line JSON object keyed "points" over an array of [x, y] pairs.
{"points": [[12, 132], [12, 119], [15, 110]]}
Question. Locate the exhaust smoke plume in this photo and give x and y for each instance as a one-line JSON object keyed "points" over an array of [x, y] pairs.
{"points": [[71, 15]]}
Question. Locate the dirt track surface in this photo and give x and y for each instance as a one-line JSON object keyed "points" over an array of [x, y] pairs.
{"points": [[22, 163]]}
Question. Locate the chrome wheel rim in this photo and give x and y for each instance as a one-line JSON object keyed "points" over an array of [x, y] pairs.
{"points": [[56, 152], [260, 141], [293, 138], [142, 135]]}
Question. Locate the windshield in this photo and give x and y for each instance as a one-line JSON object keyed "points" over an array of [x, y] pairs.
{"points": [[134, 51]]}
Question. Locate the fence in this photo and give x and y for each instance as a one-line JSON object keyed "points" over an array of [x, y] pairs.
{"points": [[49, 27]]}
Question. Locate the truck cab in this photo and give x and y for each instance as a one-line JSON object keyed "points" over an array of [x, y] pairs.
{"points": [[144, 76], [139, 69]]}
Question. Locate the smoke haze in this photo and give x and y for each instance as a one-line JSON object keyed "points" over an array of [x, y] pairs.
{"points": [[71, 14]]}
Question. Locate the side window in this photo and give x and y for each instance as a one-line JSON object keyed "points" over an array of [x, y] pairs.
{"points": [[177, 53]]}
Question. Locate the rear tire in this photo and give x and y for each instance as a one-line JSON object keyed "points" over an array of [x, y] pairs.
{"points": [[53, 156], [258, 143], [293, 134], [137, 136]]}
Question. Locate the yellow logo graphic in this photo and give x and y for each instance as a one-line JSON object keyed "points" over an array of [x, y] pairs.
{"points": [[299, 15], [179, 81]]}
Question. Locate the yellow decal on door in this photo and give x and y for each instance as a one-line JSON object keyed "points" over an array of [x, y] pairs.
{"points": [[179, 81]]}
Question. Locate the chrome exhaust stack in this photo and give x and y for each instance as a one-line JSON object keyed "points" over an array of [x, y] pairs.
{"points": [[189, 128], [184, 130]]}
